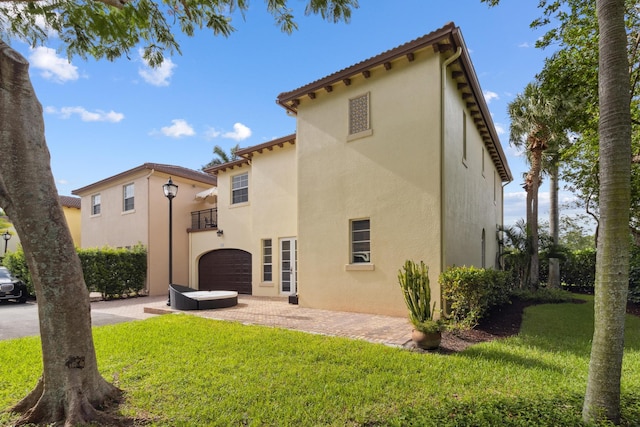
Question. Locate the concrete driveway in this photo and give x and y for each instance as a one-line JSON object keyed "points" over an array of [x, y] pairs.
{"points": [[21, 320]]}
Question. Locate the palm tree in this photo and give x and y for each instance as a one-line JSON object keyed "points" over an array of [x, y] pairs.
{"points": [[222, 156], [602, 398], [537, 125], [529, 115]]}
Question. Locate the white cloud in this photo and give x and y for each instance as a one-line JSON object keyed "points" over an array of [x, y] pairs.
{"points": [[240, 132], [490, 96], [525, 45], [178, 129], [158, 76], [85, 115], [52, 66], [211, 133], [500, 129]]}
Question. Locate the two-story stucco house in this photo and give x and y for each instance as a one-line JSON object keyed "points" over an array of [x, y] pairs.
{"points": [[394, 158], [130, 208]]}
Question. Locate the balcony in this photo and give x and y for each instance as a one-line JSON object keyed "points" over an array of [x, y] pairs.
{"points": [[204, 220]]}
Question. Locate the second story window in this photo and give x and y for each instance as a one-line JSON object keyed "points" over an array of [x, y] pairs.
{"points": [[95, 204], [240, 188], [128, 199]]}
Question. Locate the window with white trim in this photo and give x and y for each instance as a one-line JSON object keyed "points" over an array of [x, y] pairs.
{"points": [[127, 198], [267, 260], [240, 188], [95, 204], [360, 241], [359, 117]]}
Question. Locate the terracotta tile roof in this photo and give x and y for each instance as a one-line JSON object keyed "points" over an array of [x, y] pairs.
{"points": [[70, 202], [172, 170], [445, 41], [247, 153]]}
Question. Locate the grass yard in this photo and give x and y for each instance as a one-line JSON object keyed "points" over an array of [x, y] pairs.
{"points": [[181, 370]]}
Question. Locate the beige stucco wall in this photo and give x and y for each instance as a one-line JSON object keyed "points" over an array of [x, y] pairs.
{"points": [[391, 177], [473, 190], [147, 224], [74, 221], [270, 213], [274, 210]]}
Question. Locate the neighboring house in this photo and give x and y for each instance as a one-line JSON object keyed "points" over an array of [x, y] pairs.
{"points": [[71, 209], [130, 208], [394, 158]]}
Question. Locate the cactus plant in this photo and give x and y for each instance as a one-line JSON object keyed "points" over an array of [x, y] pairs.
{"points": [[414, 281]]}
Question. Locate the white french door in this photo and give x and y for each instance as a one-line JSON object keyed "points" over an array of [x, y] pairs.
{"points": [[288, 266]]}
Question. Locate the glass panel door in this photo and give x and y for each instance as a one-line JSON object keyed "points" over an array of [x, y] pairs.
{"points": [[288, 266]]}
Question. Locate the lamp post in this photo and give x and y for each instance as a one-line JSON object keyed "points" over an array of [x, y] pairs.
{"points": [[170, 191], [6, 236]]}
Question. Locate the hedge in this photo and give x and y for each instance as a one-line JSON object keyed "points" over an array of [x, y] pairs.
{"points": [[112, 272], [471, 292]]}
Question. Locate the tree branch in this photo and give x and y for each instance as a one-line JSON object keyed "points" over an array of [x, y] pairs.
{"points": [[115, 3]]}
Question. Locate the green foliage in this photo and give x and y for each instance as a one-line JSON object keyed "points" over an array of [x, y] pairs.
{"points": [[543, 295], [470, 292], [414, 281], [534, 379], [516, 252], [429, 326], [111, 29], [112, 272], [578, 271], [17, 265], [222, 156]]}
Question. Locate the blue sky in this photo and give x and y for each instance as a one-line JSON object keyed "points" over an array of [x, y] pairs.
{"points": [[103, 118]]}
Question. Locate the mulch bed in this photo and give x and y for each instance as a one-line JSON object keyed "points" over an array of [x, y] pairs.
{"points": [[502, 322]]}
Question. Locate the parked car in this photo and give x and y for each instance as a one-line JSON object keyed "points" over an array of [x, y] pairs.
{"points": [[12, 288]]}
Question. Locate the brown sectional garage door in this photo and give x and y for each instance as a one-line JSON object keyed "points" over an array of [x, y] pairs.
{"points": [[225, 270]]}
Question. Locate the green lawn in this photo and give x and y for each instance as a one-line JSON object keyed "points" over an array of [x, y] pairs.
{"points": [[181, 370]]}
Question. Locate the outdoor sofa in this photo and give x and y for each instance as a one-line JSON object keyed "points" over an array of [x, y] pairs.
{"points": [[185, 298]]}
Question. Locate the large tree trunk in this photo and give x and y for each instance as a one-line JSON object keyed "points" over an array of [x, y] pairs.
{"points": [[554, 214], [602, 398], [71, 387]]}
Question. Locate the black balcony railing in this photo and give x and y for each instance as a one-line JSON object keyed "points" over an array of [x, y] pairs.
{"points": [[201, 220]]}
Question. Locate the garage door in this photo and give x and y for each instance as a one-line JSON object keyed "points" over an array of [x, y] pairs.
{"points": [[225, 270]]}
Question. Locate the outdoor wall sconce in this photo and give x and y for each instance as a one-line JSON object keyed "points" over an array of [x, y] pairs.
{"points": [[220, 233]]}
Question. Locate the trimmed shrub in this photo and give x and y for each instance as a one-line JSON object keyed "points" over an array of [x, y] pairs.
{"points": [[470, 292], [17, 265], [578, 271], [112, 272]]}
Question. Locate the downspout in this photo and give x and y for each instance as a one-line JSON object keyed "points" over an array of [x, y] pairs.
{"points": [[443, 87]]}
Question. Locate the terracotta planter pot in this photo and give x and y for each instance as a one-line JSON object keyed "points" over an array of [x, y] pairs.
{"points": [[426, 341]]}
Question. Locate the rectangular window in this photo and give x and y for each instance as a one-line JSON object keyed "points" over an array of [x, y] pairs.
{"points": [[267, 260], [360, 241], [95, 204], [240, 188], [359, 121], [128, 201]]}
